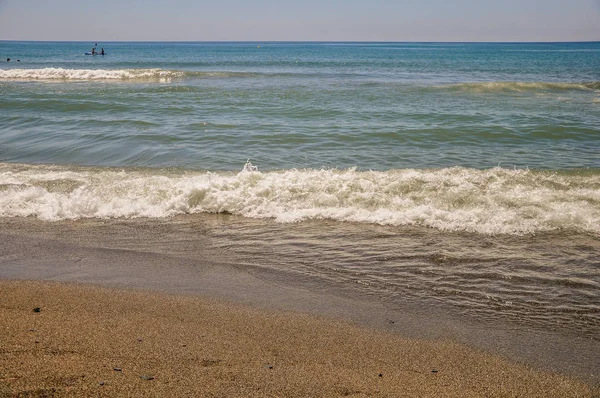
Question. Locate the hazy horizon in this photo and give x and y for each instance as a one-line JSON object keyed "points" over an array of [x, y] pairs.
{"points": [[299, 41], [312, 20]]}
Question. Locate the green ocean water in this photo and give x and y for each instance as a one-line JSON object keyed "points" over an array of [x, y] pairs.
{"points": [[490, 138], [374, 106]]}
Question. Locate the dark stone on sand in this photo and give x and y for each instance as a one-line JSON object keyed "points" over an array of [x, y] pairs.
{"points": [[380, 374], [434, 370], [210, 362], [37, 309], [102, 383], [117, 369], [144, 377]]}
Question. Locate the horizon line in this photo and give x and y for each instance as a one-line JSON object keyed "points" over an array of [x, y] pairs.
{"points": [[305, 41]]}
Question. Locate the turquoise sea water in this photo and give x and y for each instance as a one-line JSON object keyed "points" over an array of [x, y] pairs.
{"points": [[506, 133], [464, 173], [379, 106]]}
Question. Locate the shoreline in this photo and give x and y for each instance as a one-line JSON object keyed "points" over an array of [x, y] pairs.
{"points": [[178, 258], [76, 339]]}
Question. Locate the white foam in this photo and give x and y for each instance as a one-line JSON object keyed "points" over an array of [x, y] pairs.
{"points": [[501, 86], [87, 74], [491, 201], [248, 167]]}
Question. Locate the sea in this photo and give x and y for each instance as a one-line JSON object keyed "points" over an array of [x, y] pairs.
{"points": [[461, 177]]}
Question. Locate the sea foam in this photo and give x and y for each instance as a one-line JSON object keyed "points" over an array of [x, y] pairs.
{"points": [[494, 201], [507, 86], [88, 74]]}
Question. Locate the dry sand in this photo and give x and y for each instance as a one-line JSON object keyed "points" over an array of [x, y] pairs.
{"points": [[79, 340]]}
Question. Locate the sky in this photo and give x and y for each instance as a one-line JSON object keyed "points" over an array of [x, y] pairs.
{"points": [[300, 20]]}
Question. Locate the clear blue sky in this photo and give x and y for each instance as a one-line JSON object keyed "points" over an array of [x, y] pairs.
{"points": [[323, 20]]}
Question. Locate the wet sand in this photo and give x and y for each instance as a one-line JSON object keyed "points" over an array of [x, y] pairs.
{"points": [[80, 340], [168, 300]]}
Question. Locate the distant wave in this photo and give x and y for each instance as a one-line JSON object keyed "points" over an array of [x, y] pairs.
{"points": [[165, 75], [493, 87], [494, 201], [88, 74], [155, 74]]}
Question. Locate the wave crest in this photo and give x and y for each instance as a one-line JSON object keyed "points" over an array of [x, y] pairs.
{"points": [[484, 201], [89, 74], [493, 87]]}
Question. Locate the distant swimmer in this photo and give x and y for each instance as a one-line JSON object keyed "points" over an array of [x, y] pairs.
{"points": [[7, 59], [102, 52], [94, 51]]}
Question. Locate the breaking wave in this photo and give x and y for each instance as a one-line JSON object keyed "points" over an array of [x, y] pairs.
{"points": [[89, 74], [494, 201], [165, 75], [499, 86], [153, 74]]}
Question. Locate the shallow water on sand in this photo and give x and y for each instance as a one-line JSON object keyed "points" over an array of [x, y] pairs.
{"points": [[534, 298]]}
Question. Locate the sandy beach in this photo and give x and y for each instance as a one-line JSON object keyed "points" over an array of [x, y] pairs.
{"points": [[78, 340], [131, 308]]}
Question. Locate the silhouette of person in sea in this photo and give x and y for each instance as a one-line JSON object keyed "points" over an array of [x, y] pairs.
{"points": [[102, 52]]}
